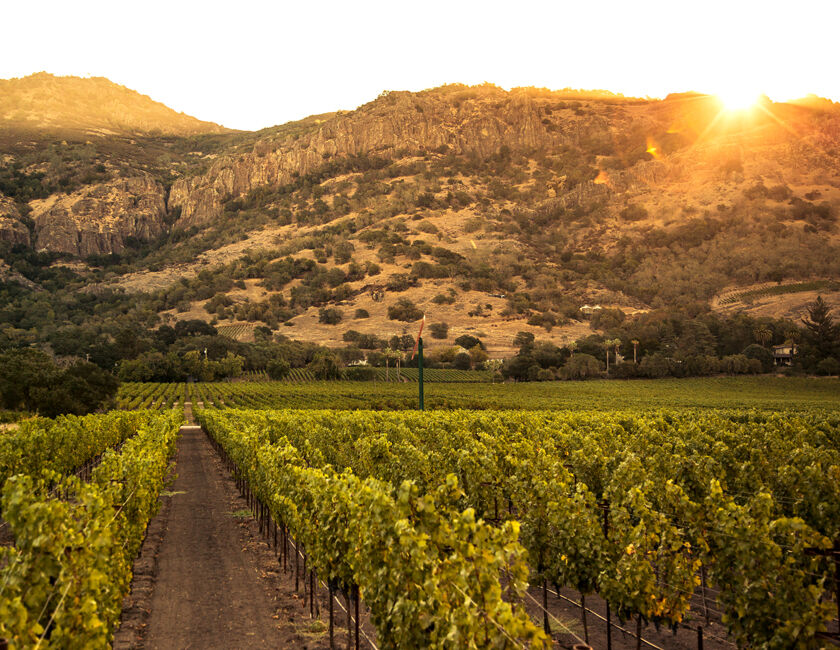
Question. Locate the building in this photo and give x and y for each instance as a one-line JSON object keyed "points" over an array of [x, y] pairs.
{"points": [[783, 354]]}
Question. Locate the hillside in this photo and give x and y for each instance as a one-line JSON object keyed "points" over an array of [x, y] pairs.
{"points": [[95, 105], [492, 211]]}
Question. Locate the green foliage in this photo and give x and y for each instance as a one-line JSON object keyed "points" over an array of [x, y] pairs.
{"points": [[31, 381], [278, 369], [582, 366], [325, 365], [75, 598], [661, 474], [428, 571]]}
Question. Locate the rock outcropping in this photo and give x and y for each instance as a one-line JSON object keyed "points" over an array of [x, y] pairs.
{"points": [[476, 120], [99, 218], [11, 228]]}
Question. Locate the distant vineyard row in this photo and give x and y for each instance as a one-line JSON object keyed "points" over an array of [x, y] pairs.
{"points": [[778, 290], [718, 392]]}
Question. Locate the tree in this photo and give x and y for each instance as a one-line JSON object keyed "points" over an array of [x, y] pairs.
{"points": [[763, 334], [764, 356], [468, 342], [325, 365], [635, 343], [31, 381], [581, 366], [278, 369], [477, 354], [522, 339], [821, 330]]}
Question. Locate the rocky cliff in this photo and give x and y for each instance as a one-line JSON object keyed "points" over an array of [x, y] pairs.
{"points": [[473, 120], [12, 230], [99, 218]]}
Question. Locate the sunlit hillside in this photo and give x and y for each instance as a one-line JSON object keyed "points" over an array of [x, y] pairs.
{"points": [[492, 211]]}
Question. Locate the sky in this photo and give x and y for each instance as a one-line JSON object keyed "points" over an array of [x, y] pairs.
{"points": [[249, 64]]}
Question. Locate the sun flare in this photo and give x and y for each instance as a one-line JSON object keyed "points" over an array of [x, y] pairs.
{"points": [[738, 99]]}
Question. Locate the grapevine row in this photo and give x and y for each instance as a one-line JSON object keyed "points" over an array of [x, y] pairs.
{"points": [[65, 588], [742, 496], [428, 570]]}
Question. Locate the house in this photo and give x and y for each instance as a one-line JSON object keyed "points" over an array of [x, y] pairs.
{"points": [[783, 354]]}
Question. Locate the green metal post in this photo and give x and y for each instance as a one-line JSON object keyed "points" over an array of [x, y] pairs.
{"points": [[420, 369]]}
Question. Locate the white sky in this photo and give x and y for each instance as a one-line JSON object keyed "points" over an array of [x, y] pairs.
{"points": [[249, 64]]}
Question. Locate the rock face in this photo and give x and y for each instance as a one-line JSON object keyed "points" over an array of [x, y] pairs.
{"points": [[99, 218], [477, 120], [11, 228]]}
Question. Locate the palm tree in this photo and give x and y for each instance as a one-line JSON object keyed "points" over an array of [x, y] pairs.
{"points": [[635, 343], [763, 334], [607, 345], [616, 344], [571, 347]]}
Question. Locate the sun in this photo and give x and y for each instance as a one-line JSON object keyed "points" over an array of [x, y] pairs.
{"points": [[738, 99]]}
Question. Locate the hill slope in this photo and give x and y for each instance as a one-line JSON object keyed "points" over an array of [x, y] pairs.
{"points": [[96, 105], [490, 210]]}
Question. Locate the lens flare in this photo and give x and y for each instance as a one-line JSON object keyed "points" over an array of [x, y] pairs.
{"points": [[739, 99]]}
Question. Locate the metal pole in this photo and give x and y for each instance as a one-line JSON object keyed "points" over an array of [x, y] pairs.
{"points": [[420, 370]]}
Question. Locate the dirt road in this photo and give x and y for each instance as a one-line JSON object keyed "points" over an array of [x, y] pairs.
{"points": [[210, 584]]}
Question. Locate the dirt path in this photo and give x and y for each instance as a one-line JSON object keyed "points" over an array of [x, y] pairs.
{"points": [[209, 588]]}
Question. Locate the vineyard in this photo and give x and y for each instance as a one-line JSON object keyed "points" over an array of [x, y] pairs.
{"points": [[424, 514], [514, 516], [78, 493], [729, 392], [778, 290]]}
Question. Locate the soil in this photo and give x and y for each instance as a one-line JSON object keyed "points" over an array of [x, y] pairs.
{"points": [[203, 579]]}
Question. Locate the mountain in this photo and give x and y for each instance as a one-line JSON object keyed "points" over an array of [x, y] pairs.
{"points": [[94, 105], [493, 211]]}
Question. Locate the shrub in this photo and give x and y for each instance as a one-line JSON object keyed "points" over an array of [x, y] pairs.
{"points": [[444, 299], [351, 336], [330, 315], [404, 310], [634, 212], [360, 373], [400, 282], [828, 366], [361, 313], [462, 361], [439, 330]]}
